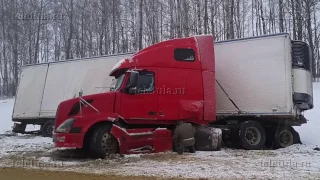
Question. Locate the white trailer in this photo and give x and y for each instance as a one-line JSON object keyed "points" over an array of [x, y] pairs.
{"points": [[43, 86], [263, 85], [263, 76]]}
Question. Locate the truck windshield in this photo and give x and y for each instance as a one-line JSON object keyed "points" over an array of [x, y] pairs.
{"points": [[116, 83]]}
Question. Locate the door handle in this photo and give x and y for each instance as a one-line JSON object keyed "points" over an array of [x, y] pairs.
{"points": [[152, 113]]}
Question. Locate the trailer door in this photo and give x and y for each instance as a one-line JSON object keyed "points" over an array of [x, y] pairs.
{"points": [[30, 92]]}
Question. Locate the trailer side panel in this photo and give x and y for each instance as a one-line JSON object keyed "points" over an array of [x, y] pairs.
{"points": [[256, 73]]}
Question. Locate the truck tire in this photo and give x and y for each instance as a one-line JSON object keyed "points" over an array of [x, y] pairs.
{"points": [[47, 128], [252, 135], [102, 143], [208, 138], [285, 136]]}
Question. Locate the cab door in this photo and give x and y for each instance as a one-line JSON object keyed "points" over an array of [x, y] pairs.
{"points": [[143, 103]]}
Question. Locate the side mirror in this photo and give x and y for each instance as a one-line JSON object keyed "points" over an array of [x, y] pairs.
{"points": [[132, 90], [81, 92], [133, 79]]}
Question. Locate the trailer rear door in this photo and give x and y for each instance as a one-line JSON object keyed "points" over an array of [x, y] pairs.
{"points": [[30, 91]]}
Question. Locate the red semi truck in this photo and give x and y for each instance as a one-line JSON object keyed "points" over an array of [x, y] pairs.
{"points": [[253, 89]]}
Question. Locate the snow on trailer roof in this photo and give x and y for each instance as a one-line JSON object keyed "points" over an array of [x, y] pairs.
{"points": [[80, 59]]}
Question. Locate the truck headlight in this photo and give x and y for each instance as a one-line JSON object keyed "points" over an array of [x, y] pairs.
{"points": [[66, 126]]}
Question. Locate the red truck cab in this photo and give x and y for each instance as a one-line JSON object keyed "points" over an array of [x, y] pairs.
{"points": [[156, 87]]}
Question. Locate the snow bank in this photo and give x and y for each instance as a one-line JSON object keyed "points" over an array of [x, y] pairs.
{"points": [[309, 133], [20, 144], [6, 107]]}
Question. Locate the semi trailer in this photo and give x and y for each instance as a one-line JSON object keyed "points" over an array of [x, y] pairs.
{"points": [[252, 89], [43, 86]]}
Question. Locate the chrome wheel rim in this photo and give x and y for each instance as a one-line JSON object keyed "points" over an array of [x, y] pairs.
{"points": [[108, 144], [252, 135], [285, 138]]}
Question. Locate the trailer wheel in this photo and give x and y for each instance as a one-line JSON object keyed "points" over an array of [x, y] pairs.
{"points": [[102, 143], [284, 137], [252, 135], [47, 128]]}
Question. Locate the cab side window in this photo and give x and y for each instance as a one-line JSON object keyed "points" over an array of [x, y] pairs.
{"points": [[145, 82], [183, 54]]}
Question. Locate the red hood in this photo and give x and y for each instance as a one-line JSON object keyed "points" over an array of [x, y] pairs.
{"points": [[103, 102]]}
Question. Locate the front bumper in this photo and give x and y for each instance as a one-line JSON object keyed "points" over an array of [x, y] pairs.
{"points": [[68, 140]]}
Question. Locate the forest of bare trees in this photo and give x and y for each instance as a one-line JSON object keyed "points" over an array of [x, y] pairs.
{"points": [[35, 31]]}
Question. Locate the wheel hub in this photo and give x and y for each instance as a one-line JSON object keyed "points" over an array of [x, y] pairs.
{"points": [[50, 129], [108, 144], [252, 135], [285, 138]]}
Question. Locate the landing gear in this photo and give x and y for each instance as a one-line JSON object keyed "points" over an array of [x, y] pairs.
{"points": [[250, 135], [102, 143]]}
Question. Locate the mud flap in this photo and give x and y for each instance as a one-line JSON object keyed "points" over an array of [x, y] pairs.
{"points": [[208, 138]]}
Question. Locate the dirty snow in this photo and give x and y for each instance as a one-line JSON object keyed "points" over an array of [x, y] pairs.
{"points": [[295, 162], [11, 144]]}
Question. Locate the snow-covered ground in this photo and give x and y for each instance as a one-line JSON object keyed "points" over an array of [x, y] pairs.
{"points": [[295, 162], [15, 143], [6, 107], [309, 133]]}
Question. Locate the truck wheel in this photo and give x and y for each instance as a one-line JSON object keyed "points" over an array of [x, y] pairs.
{"points": [[252, 135], [48, 128], [284, 137], [102, 143]]}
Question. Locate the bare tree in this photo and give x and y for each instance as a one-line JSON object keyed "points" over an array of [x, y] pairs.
{"points": [[140, 24], [91, 28]]}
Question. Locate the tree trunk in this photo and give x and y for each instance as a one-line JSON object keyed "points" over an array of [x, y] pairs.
{"points": [[206, 17], [140, 24], [4, 50], [309, 29], [281, 26], [68, 49], [293, 20], [299, 19], [36, 51]]}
